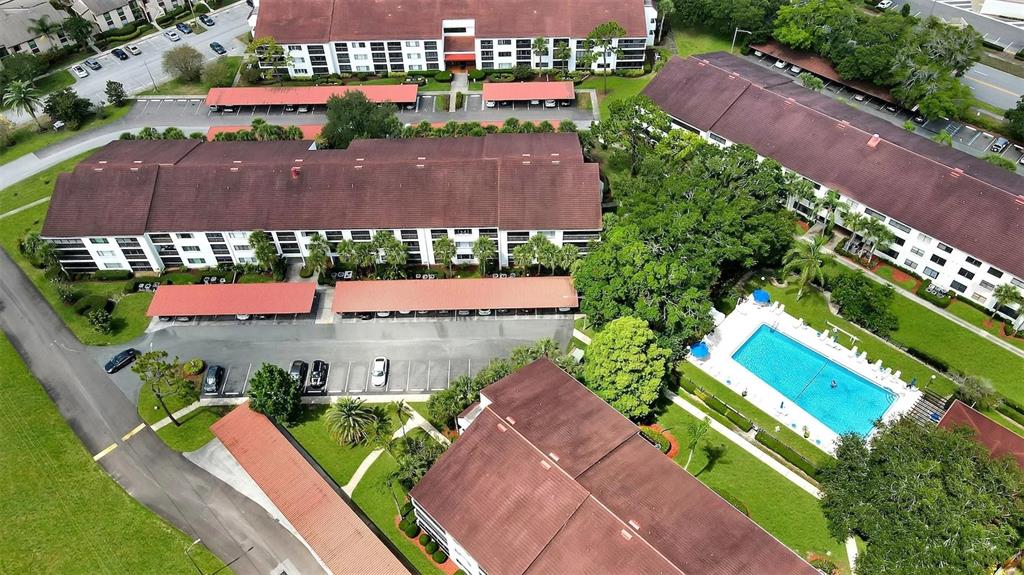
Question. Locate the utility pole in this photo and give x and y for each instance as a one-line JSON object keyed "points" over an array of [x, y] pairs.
{"points": [[734, 34]]}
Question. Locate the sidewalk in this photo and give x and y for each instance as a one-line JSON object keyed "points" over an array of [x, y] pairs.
{"points": [[415, 421]]}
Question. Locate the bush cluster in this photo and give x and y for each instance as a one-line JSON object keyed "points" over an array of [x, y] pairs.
{"points": [[439, 557], [928, 359], [443, 76], [431, 547], [170, 16], [733, 500], [787, 453], [112, 275], [192, 366], [91, 302], [721, 407], [656, 438]]}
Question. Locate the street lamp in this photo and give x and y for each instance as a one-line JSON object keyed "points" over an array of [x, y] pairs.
{"points": [[734, 34]]}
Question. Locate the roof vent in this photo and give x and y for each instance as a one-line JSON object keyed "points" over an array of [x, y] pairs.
{"points": [[1019, 200], [553, 456], [555, 154], [509, 419], [956, 173], [102, 162], [526, 162], [873, 142], [789, 101], [234, 169], [296, 172], [357, 167], [502, 428], [419, 165], [134, 169], [545, 464], [634, 524], [137, 161], [97, 169], [843, 124], [626, 535], [421, 157], [360, 159], [236, 161], [555, 162], [298, 160]]}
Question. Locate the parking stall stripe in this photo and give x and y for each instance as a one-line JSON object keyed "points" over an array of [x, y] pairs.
{"points": [[106, 451], [137, 429]]}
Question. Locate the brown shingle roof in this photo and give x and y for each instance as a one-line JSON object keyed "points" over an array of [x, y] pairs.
{"points": [[999, 441], [560, 146], [499, 492], [330, 191], [971, 211], [320, 21], [136, 152], [324, 520]]}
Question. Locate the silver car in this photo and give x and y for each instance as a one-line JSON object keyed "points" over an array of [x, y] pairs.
{"points": [[379, 372]]}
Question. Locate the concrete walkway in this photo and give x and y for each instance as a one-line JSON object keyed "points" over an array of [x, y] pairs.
{"points": [[25, 207], [415, 421]]}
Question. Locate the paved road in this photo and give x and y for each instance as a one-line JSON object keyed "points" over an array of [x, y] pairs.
{"points": [[164, 481], [993, 86], [991, 28]]}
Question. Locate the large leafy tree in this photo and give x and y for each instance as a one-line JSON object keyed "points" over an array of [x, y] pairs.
{"points": [[865, 302], [724, 16], [164, 378], [68, 107], [1015, 119], [625, 367], [274, 393], [23, 66], [79, 29], [632, 126], [115, 93], [926, 500], [601, 45], [184, 62], [268, 58], [352, 116]]}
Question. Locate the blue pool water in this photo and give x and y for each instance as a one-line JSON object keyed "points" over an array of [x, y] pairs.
{"points": [[805, 377]]}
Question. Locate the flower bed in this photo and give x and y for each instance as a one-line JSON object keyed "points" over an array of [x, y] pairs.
{"points": [[666, 442]]}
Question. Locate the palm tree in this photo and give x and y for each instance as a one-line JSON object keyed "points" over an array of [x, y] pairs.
{"points": [[42, 26], [20, 95], [696, 431], [807, 260], [319, 257], [293, 133], [1005, 294], [540, 47], [484, 249], [403, 412], [522, 256], [665, 7], [349, 420], [379, 435], [567, 257], [877, 235], [830, 202], [444, 251], [540, 250], [563, 53], [856, 223]]}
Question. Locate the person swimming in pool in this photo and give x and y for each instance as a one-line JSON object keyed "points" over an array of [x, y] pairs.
{"points": [[834, 384]]}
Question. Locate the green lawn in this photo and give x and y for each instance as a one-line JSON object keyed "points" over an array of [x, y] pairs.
{"points": [[619, 88], [789, 513], [339, 461], [981, 319], [584, 325], [35, 187], [886, 271], [476, 86], [178, 88], [194, 431], [759, 417], [435, 86], [697, 41], [376, 82], [62, 513], [28, 139], [54, 81]]}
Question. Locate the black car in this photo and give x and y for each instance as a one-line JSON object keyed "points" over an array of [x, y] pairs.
{"points": [[318, 375], [298, 371], [121, 360], [119, 54], [216, 47], [206, 20], [185, 28], [213, 379]]}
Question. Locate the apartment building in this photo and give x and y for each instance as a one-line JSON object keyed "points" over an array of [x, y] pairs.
{"points": [[109, 14], [336, 36], [17, 17], [955, 218], [548, 478], [151, 205]]}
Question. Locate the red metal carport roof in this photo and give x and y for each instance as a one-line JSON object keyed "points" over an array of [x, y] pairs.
{"points": [[398, 93], [455, 294], [529, 91], [232, 299]]}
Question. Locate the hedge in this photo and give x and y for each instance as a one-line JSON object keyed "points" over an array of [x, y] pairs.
{"points": [[406, 509], [424, 73], [656, 438], [431, 547], [439, 557], [928, 359], [125, 30], [732, 500], [112, 275], [412, 531], [90, 303], [443, 76], [170, 16], [478, 75], [686, 384], [1010, 412], [305, 272], [941, 301], [425, 539], [141, 30], [1020, 54], [459, 100], [1014, 405], [501, 78], [787, 453], [723, 408], [201, 9], [739, 421]]}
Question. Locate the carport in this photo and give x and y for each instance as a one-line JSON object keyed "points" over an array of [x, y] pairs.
{"points": [[527, 91], [821, 67], [308, 96], [458, 297], [232, 299]]}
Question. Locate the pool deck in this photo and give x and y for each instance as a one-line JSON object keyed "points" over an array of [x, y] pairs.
{"points": [[736, 329]]}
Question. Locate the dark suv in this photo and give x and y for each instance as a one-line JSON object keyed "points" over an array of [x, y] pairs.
{"points": [[214, 377], [119, 361], [318, 375], [298, 371]]}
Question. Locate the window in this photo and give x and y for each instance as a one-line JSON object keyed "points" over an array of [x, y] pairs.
{"points": [[987, 285], [979, 298], [106, 17], [113, 266], [409, 235], [463, 256], [504, 54], [715, 137], [930, 272], [504, 42], [996, 273], [243, 247], [360, 44], [939, 260], [190, 248], [966, 273], [184, 236], [237, 234], [924, 238], [463, 231], [910, 264], [455, 30], [414, 56], [106, 253], [917, 251], [945, 248], [958, 286], [361, 236], [196, 261], [899, 225], [1017, 282], [434, 234], [360, 56], [301, 71], [294, 48], [464, 245], [412, 43], [973, 261], [99, 241], [874, 214]]}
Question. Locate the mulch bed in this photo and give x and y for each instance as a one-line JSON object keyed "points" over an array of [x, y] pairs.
{"points": [[673, 449], [803, 225], [448, 567]]}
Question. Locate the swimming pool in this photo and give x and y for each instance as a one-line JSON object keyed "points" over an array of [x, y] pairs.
{"points": [[805, 377]]}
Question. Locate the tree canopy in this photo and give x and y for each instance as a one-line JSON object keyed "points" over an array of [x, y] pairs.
{"points": [[352, 116], [625, 367], [925, 500], [275, 394], [864, 302]]}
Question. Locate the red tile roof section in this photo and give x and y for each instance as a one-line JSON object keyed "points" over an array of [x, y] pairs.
{"points": [[248, 96], [821, 67], [324, 520], [232, 299], [321, 21], [967, 212], [641, 512], [454, 294], [308, 132], [999, 441], [518, 91]]}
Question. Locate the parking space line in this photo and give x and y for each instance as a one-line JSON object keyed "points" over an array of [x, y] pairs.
{"points": [[427, 384], [366, 384], [137, 429], [408, 375], [448, 382], [101, 454], [245, 382], [348, 373], [469, 367]]}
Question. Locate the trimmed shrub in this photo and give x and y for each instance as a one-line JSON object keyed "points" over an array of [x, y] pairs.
{"points": [[90, 303], [406, 522], [305, 272], [733, 500], [66, 292], [412, 531], [1014, 405], [738, 420], [424, 73], [112, 275], [460, 572], [425, 540], [631, 73], [787, 453], [941, 301], [1010, 412], [477, 75], [406, 509], [201, 9], [501, 77], [444, 76], [192, 366], [100, 320], [928, 359], [431, 547], [656, 438], [686, 384], [439, 557]]}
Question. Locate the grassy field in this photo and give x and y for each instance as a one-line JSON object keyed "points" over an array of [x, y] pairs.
{"points": [[62, 513], [696, 41], [54, 81], [178, 88], [28, 139], [435, 86], [339, 461], [35, 187], [887, 272], [976, 317], [618, 88], [787, 512], [194, 431]]}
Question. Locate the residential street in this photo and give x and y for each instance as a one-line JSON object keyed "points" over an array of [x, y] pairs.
{"points": [[993, 86], [991, 28]]}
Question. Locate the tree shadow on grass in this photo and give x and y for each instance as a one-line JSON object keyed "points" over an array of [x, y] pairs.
{"points": [[714, 454]]}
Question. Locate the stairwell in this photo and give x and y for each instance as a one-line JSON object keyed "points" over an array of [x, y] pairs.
{"points": [[928, 409]]}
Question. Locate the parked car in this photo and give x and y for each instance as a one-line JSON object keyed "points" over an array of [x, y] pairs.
{"points": [[289, 107], [183, 27], [795, 70], [383, 314], [206, 20], [305, 109], [298, 371], [1000, 145], [780, 64], [133, 49], [891, 108], [885, 4], [490, 103], [183, 318], [318, 375], [80, 71], [93, 64], [216, 47], [860, 97], [566, 102], [535, 102], [550, 104], [418, 80], [172, 35], [119, 54], [759, 54], [379, 372], [365, 316], [919, 120], [214, 377], [119, 361]]}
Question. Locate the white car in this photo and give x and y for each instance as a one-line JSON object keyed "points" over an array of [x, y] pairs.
{"points": [[133, 49], [885, 4], [80, 71], [795, 70], [780, 64], [379, 372], [490, 103], [550, 104], [172, 35]]}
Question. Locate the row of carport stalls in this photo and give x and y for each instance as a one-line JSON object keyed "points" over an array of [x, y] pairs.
{"points": [[522, 312]]}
